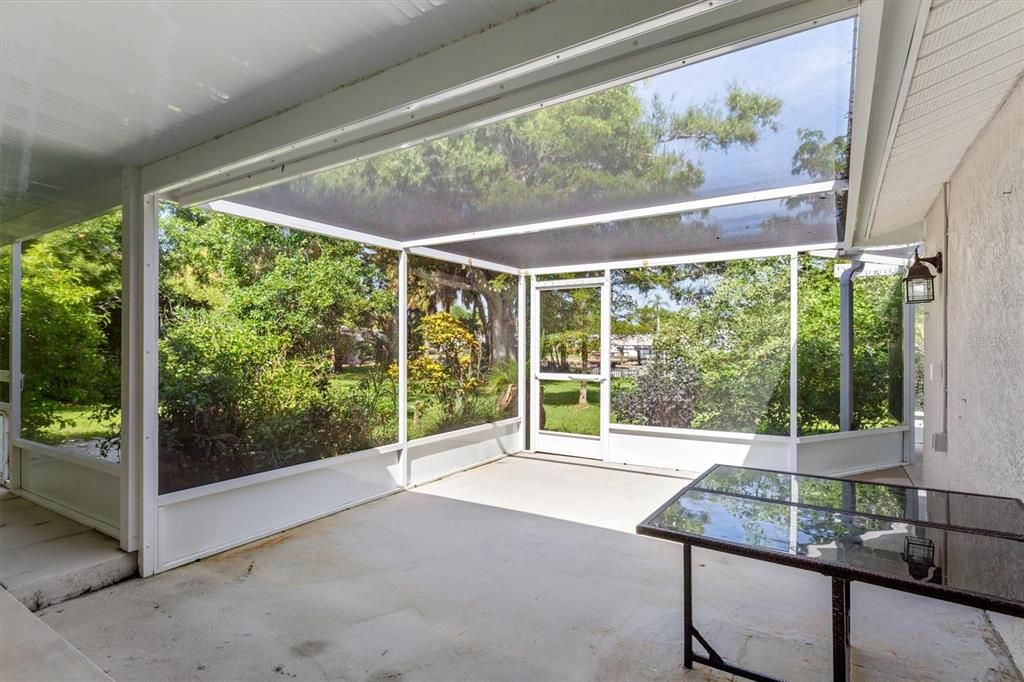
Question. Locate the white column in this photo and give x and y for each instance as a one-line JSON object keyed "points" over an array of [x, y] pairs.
{"points": [[794, 321], [403, 366], [606, 364], [521, 361], [534, 362], [14, 428], [131, 385], [909, 380], [140, 371]]}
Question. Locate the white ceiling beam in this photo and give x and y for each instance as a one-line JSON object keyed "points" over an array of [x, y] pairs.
{"points": [[715, 257], [576, 283], [459, 259], [633, 213], [285, 220], [865, 66], [315, 227]]}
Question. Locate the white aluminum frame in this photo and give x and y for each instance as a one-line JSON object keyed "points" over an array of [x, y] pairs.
{"points": [[715, 257], [240, 161], [472, 446], [633, 213], [21, 450], [558, 442], [403, 366], [17, 378], [794, 344], [521, 359]]}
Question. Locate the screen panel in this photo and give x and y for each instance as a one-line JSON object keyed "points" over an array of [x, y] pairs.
{"points": [[276, 348], [71, 338], [463, 346], [757, 225], [703, 346], [877, 346], [768, 116]]}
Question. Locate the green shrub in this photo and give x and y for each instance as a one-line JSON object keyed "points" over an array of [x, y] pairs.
{"points": [[446, 368]]}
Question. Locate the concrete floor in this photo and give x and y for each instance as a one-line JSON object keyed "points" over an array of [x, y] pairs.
{"points": [[46, 558], [908, 474], [30, 650], [518, 570]]}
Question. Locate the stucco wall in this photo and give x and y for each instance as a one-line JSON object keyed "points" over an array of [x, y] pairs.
{"points": [[984, 276]]}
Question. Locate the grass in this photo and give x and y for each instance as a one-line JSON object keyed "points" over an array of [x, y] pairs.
{"points": [[349, 377], [563, 412], [81, 425]]}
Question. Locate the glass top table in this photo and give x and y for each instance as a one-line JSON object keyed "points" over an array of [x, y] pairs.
{"points": [[955, 546]]}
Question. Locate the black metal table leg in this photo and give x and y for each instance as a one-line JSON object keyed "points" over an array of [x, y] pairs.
{"points": [[840, 630], [687, 608]]}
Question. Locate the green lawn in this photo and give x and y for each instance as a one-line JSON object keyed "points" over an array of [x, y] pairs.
{"points": [[563, 412], [81, 425]]}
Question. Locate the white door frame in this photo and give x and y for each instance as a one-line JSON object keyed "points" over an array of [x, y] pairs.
{"points": [[576, 445]]}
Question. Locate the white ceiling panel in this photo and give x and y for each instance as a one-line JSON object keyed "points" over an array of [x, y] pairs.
{"points": [[88, 87], [971, 57]]}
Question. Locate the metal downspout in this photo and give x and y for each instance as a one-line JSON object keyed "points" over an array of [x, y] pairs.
{"points": [[846, 345]]}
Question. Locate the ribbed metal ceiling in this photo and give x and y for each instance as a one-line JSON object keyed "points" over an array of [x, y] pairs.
{"points": [[87, 88]]}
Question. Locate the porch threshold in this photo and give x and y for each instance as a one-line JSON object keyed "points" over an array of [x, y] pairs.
{"points": [[682, 474], [48, 559]]}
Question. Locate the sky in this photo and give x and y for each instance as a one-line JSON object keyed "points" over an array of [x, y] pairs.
{"points": [[809, 71]]}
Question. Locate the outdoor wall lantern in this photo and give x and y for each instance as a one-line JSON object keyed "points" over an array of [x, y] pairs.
{"points": [[919, 284], [919, 555]]}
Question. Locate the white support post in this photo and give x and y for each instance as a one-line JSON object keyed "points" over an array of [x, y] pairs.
{"points": [[17, 380], [606, 365], [131, 386], [909, 381], [521, 361], [794, 321], [403, 367], [534, 363], [140, 364]]}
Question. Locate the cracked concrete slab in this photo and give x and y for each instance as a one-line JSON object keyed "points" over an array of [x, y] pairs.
{"points": [[48, 558]]}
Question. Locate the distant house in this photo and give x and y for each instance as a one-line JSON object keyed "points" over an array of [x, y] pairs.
{"points": [[630, 348]]}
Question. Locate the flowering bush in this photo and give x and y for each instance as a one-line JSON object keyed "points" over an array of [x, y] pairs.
{"points": [[447, 366]]}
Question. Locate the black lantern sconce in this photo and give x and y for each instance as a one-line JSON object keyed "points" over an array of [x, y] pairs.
{"points": [[919, 555], [919, 284]]}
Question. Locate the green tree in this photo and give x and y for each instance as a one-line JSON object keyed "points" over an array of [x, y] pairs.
{"points": [[274, 345], [71, 289], [600, 150], [730, 338], [877, 352]]}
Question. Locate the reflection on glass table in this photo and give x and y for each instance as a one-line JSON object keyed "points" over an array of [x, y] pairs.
{"points": [[922, 505], [888, 547], [958, 547]]}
